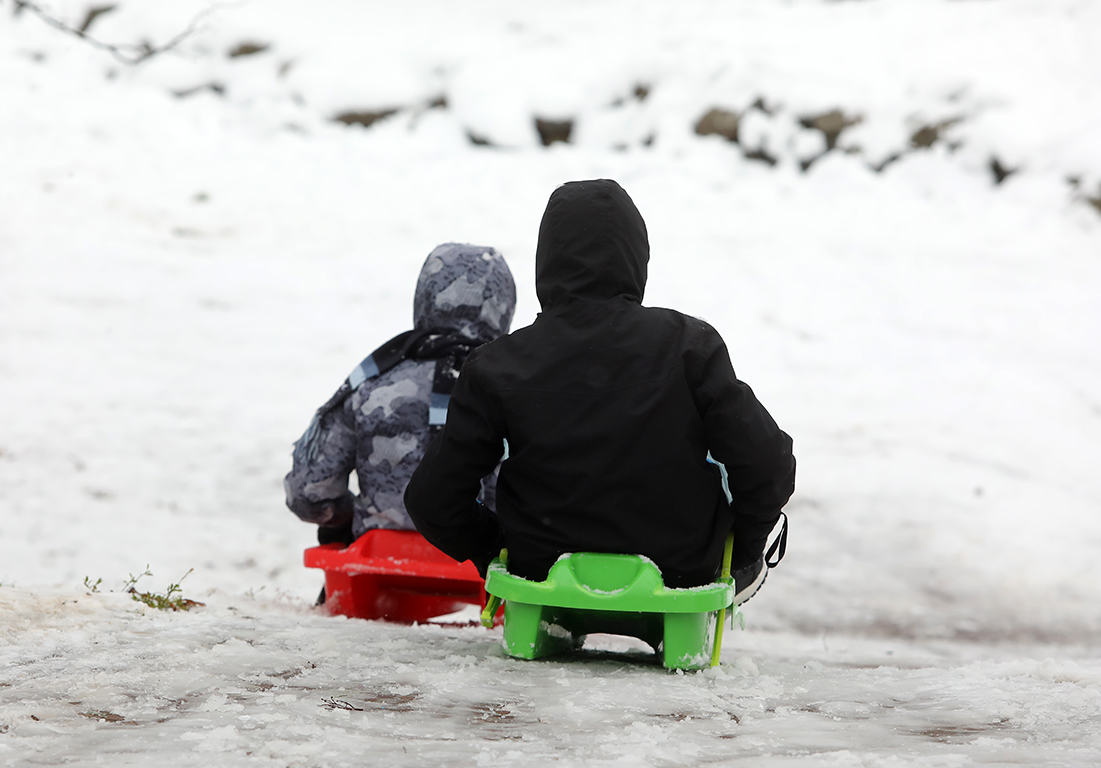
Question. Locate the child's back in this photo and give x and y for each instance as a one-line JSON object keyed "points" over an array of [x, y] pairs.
{"points": [[610, 410]]}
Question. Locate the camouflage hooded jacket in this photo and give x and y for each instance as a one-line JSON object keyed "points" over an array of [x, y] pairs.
{"points": [[382, 418]]}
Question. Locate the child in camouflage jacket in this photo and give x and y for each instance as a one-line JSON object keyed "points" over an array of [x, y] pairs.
{"points": [[381, 419]]}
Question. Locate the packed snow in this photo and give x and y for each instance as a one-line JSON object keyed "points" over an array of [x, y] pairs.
{"points": [[902, 249]]}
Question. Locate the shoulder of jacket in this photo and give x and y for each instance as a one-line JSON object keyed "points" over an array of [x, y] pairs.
{"points": [[502, 345], [411, 375], [689, 323]]}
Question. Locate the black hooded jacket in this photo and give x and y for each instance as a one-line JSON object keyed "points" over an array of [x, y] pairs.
{"points": [[609, 410]]}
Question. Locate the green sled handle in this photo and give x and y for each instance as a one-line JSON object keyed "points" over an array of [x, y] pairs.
{"points": [[725, 578], [493, 603]]}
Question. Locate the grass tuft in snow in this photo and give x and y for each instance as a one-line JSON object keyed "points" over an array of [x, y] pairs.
{"points": [[171, 600], [92, 586]]}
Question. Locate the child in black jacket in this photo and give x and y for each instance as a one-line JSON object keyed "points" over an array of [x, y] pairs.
{"points": [[623, 427]]}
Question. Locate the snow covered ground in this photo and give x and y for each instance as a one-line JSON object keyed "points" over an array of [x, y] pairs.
{"points": [[184, 278], [98, 681]]}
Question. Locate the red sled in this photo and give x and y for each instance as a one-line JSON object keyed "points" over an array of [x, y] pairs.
{"points": [[394, 575]]}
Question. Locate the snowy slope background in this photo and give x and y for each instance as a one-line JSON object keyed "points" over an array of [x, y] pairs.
{"points": [[194, 252]]}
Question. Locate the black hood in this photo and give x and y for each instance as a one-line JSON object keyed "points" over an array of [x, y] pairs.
{"points": [[592, 245]]}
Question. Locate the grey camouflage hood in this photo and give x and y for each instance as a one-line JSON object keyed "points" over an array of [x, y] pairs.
{"points": [[465, 289]]}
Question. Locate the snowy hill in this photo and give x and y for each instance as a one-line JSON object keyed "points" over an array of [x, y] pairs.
{"points": [[892, 213]]}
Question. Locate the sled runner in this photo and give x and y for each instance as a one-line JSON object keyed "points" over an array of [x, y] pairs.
{"points": [[587, 592], [396, 576]]}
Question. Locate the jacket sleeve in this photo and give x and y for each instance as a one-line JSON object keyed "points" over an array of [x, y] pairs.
{"points": [[441, 497], [744, 438], [317, 485]]}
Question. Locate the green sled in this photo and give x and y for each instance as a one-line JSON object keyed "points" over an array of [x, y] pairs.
{"points": [[589, 592]]}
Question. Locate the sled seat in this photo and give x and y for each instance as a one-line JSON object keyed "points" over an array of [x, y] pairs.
{"points": [[394, 575], [587, 592]]}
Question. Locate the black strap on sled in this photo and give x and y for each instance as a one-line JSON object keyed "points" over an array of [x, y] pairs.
{"points": [[779, 546]]}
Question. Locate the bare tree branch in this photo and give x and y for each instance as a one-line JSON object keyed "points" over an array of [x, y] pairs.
{"points": [[127, 53], [94, 13]]}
